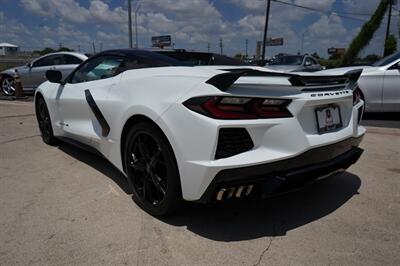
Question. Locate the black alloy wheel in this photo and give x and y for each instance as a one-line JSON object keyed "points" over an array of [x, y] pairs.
{"points": [[152, 170], [43, 118]]}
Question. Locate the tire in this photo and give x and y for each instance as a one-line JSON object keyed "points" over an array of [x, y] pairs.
{"points": [[44, 122], [7, 85], [152, 170]]}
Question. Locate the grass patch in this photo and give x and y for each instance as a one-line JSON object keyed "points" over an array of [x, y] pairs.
{"points": [[5, 66]]}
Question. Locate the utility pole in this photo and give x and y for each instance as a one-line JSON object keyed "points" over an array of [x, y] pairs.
{"points": [[389, 18], [265, 28], [130, 22], [247, 47], [136, 26], [94, 48], [208, 47], [221, 46]]}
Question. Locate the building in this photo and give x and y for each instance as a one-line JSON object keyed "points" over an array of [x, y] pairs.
{"points": [[8, 49]]}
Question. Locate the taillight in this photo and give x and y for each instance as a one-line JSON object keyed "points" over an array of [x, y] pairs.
{"points": [[356, 95], [239, 107]]}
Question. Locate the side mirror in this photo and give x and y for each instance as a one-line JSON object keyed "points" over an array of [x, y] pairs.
{"points": [[54, 76]]}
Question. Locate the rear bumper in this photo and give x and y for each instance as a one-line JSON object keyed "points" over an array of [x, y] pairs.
{"points": [[290, 173]]}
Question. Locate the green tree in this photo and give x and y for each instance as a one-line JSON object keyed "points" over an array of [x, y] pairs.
{"points": [[46, 50], [65, 49], [366, 33], [371, 58], [390, 45], [239, 56]]}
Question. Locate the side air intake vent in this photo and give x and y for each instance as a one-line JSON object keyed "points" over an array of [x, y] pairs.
{"points": [[232, 141]]}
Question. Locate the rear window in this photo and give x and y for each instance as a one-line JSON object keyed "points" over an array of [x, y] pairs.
{"points": [[202, 59]]}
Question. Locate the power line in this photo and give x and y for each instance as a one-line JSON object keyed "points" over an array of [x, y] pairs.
{"points": [[336, 13], [341, 14]]}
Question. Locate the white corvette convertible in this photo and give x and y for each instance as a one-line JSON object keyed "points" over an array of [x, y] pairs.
{"points": [[207, 133]]}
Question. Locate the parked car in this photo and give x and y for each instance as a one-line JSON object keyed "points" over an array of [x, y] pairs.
{"points": [[205, 133], [33, 73], [294, 63], [379, 83]]}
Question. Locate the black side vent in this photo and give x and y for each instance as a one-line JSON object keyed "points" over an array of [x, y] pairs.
{"points": [[232, 141]]}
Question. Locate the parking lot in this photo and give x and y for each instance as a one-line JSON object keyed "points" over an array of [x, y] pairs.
{"points": [[62, 205]]}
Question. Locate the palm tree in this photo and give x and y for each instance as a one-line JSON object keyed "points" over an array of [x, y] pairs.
{"points": [[366, 33]]}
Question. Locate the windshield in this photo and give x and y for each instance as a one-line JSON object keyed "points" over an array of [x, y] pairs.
{"points": [[387, 60], [287, 60]]}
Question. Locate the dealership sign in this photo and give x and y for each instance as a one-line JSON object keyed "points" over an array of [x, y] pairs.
{"points": [[161, 41], [274, 42], [334, 50]]}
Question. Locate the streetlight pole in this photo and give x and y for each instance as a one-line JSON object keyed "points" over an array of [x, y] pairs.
{"points": [[247, 47], [136, 26], [266, 28], [130, 22]]}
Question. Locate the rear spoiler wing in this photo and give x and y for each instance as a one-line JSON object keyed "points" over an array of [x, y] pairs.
{"points": [[225, 80]]}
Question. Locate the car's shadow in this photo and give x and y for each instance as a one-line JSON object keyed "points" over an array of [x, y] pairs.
{"points": [[243, 220], [97, 162]]}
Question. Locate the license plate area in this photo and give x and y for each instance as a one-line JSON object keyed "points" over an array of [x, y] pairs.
{"points": [[328, 118]]}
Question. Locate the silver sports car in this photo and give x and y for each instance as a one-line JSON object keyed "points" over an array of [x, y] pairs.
{"points": [[33, 73], [379, 84]]}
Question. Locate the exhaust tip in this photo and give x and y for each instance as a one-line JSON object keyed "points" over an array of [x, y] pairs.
{"points": [[239, 192], [248, 190], [231, 191], [220, 194]]}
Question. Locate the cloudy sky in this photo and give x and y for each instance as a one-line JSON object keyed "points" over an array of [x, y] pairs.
{"points": [[35, 24]]}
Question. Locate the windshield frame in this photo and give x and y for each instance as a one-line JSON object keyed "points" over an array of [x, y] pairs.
{"points": [[388, 60]]}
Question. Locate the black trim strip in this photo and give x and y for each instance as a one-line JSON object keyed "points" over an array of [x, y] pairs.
{"points": [[105, 128], [225, 80]]}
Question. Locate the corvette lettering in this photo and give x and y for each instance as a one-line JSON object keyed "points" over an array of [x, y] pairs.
{"points": [[336, 93]]}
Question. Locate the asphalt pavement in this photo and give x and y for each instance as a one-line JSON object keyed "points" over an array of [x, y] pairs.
{"points": [[61, 205]]}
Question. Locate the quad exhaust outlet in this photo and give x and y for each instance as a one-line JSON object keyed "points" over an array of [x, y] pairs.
{"points": [[238, 192]]}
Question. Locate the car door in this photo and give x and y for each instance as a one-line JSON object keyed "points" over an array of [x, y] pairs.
{"points": [[39, 67], [391, 89], [79, 101]]}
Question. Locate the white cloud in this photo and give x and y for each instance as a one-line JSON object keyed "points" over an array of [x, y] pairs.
{"points": [[316, 4], [70, 10], [101, 12]]}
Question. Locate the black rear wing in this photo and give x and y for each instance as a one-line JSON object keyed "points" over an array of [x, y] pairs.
{"points": [[225, 80]]}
